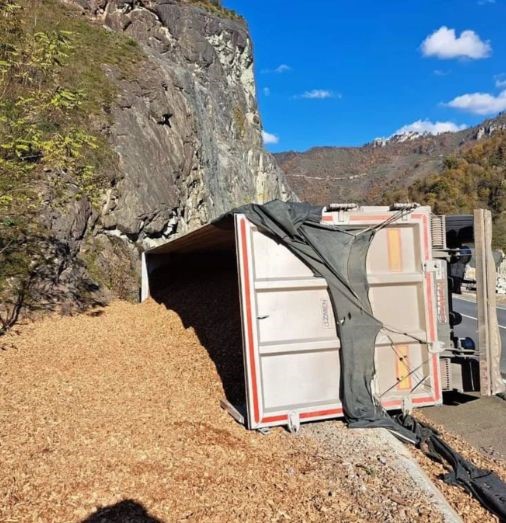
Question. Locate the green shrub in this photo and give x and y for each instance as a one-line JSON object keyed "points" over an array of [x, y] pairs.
{"points": [[55, 98], [215, 8]]}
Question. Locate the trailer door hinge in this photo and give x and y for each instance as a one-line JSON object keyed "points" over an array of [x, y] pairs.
{"points": [[436, 347], [407, 405]]}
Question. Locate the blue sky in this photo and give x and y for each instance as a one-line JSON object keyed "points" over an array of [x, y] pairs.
{"points": [[355, 70]]}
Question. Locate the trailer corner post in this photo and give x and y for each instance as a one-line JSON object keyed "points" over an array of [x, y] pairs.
{"points": [[144, 277], [489, 341]]}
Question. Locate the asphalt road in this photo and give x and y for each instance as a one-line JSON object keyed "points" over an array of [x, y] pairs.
{"points": [[469, 324]]}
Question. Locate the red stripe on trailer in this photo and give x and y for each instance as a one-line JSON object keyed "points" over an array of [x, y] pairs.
{"points": [[437, 386], [428, 289], [318, 413], [339, 411], [304, 415], [369, 217], [391, 403], [429, 297], [249, 320], [398, 403], [426, 239], [424, 399], [272, 419]]}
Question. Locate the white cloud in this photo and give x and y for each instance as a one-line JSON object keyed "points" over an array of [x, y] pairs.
{"points": [[500, 80], [280, 69], [480, 103], [445, 44], [441, 72], [283, 68], [318, 94], [426, 126], [266, 91], [269, 138]]}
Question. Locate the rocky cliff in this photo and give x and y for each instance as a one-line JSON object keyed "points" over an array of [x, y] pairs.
{"points": [[186, 131], [142, 125]]}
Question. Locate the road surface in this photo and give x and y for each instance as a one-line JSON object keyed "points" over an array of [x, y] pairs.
{"points": [[469, 324]]}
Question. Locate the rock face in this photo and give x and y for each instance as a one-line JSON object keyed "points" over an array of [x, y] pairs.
{"points": [[186, 130]]}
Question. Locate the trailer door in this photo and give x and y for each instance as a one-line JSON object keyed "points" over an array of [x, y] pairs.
{"points": [[291, 347]]}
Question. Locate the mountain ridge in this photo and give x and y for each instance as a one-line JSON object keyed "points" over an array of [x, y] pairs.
{"points": [[364, 170]]}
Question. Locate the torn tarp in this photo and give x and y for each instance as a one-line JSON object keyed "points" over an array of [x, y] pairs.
{"points": [[486, 486]]}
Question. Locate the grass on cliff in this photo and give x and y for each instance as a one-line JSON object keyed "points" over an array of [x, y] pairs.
{"points": [[215, 7], [55, 100]]}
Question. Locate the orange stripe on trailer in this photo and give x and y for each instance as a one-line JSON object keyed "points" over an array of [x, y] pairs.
{"points": [[394, 249], [402, 367]]}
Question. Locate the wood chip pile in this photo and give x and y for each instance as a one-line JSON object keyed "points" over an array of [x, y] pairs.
{"points": [[113, 415]]}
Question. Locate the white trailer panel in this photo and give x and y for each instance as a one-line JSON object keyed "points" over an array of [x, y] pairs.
{"points": [[291, 346]]}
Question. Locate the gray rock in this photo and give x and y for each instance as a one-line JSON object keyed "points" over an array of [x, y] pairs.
{"points": [[186, 129]]}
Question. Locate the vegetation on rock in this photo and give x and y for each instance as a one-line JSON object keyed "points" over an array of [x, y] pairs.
{"points": [[215, 7], [55, 97]]}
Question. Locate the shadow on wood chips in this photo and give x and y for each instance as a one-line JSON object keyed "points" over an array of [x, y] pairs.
{"points": [[205, 295], [126, 511]]}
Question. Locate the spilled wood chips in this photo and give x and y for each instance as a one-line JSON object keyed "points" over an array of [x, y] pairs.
{"points": [[122, 405]]}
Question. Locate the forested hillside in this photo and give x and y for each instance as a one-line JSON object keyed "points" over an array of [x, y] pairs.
{"points": [[475, 178], [452, 172]]}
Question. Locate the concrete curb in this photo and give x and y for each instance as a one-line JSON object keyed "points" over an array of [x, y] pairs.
{"points": [[407, 463]]}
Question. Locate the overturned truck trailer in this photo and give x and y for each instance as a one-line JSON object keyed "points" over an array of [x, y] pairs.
{"points": [[291, 359]]}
